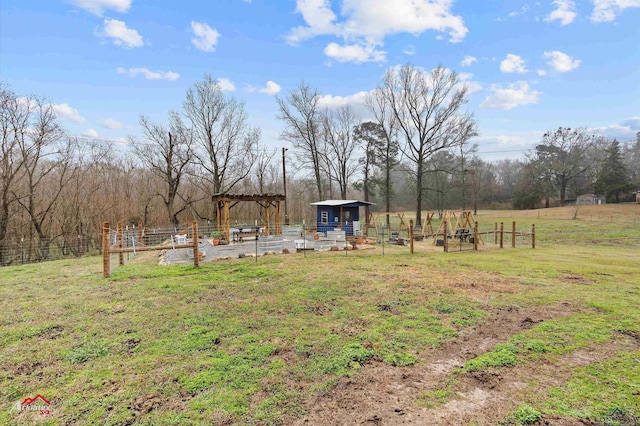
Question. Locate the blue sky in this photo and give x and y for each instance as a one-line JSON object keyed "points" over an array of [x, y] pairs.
{"points": [[531, 66]]}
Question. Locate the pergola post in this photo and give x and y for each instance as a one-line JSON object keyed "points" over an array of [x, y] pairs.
{"points": [[227, 222], [267, 228], [218, 217], [277, 217]]}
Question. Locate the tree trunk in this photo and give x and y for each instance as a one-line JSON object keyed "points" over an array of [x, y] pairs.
{"points": [[419, 194]]}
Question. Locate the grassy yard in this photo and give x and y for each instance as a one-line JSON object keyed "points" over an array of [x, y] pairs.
{"points": [[245, 342]]}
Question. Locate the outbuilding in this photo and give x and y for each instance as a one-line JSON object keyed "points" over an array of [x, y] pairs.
{"points": [[340, 214], [591, 199]]}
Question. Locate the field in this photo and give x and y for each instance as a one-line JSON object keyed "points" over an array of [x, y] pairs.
{"points": [[516, 336]]}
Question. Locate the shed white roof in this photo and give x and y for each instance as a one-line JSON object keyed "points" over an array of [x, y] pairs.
{"points": [[340, 203]]}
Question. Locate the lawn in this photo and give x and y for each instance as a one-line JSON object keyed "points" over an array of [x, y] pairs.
{"points": [[246, 342]]}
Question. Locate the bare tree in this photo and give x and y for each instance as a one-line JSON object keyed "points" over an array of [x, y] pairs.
{"points": [[48, 166], [340, 145], [562, 157], [225, 143], [302, 120], [507, 175], [482, 180], [14, 122], [427, 107], [386, 151], [263, 166], [167, 154]]}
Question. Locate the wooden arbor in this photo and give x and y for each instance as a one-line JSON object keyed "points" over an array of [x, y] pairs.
{"points": [[225, 202], [463, 220]]}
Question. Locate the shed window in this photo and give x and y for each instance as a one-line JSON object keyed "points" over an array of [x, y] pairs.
{"points": [[324, 217]]}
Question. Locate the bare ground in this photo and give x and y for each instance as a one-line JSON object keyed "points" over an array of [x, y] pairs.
{"points": [[387, 395]]}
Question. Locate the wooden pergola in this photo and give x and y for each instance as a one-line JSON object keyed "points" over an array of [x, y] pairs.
{"points": [[225, 202]]}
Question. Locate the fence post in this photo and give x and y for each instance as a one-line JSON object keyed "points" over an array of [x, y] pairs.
{"points": [[105, 250], [140, 232], [445, 242], [411, 235], [495, 233], [501, 234], [196, 240], [475, 236], [120, 254], [533, 236], [513, 234]]}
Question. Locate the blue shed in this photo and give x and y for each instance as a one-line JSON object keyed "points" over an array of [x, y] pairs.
{"points": [[342, 214]]}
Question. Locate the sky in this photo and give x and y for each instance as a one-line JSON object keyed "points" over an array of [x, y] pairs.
{"points": [[530, 66]]}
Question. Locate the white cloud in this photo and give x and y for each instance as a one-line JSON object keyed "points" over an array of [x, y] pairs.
{"points": [[122, 141], [365, 24], [472, 86], [121, 35], [205, 38], [561, 62], [90, 133], [513, 63], [271, 88], [565, 12], [148, 74], [65, 112], [624, 131], [541, 73], [111, 123], [354, 53], [410, 50], [608, 10], [522, 11], [226, 85], [514, 95], [97, 7], [330, 101], [633, 123], [468, 60]]}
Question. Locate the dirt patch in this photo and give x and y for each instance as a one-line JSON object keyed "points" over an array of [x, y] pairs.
{"points": [[145, 404], [633, 334], [576, 279], [51, 333], [528, 323], [130, 344], [387, 395]]}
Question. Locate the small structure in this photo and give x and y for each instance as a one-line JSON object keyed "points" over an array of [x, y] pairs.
{"points": [[225, 202], [637, 194], [590, 200], [340, 214]]}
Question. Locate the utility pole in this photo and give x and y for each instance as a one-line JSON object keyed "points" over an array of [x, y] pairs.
{"points": [[284, 181]]}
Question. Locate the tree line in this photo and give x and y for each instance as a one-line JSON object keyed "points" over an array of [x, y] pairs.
{"points": [[409, 149]]}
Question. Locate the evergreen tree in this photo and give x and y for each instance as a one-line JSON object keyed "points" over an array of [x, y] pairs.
{"points": [[613, 178]]}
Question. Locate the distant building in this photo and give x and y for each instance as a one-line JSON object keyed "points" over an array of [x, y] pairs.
{"points": [[590, 200], [637, 194]]}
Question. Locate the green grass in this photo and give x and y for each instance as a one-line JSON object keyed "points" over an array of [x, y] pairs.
{"points": [[523, 415], [242, 342], [596, 391]]}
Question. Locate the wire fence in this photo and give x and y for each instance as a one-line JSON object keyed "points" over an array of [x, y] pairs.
{"points": [[592, 228]]}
